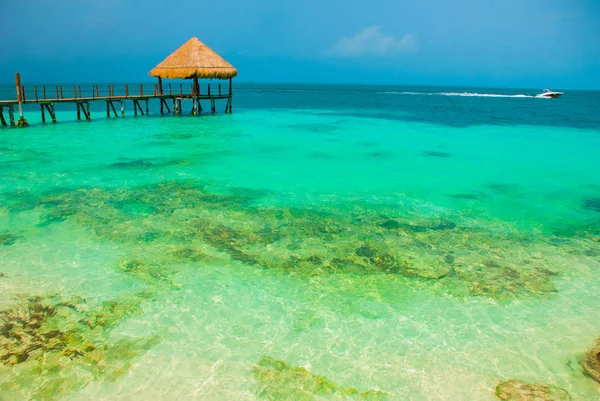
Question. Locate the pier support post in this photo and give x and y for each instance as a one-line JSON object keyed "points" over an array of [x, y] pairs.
{"points": [[230, 94], [194, 105], [89, 114], [2, 120], [146, 106], [122, 108], [52, 112], [78, 110], [22, 122], [43, 113], [11, 115]]}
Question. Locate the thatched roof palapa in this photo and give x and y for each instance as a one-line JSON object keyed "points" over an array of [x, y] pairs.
{"points": [[194, 59]]}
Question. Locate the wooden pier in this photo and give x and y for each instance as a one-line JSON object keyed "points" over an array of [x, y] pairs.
{"points": [[193, 60], [137, 101]]}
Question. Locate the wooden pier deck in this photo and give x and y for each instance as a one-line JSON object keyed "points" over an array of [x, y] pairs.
{"points": [[171, 101]]}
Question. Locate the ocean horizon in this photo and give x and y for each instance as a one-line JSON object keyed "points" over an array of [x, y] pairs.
{"points": [[322, 242]]}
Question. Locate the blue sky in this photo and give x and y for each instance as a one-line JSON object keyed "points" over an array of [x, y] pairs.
{"points": [[506, 43]]}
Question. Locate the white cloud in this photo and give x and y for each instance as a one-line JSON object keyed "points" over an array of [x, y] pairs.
{"points": [[371, 41]]}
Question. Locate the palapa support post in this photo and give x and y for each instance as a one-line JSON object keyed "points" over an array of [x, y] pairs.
{"points": [[22, 122], [230, 94], [194, 106], [160, 88]]}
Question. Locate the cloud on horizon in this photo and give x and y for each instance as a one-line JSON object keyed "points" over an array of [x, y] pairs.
{"points": [[371, 41]]}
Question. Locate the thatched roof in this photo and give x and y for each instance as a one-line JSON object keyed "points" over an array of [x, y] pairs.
{"points": [[194, 59]]}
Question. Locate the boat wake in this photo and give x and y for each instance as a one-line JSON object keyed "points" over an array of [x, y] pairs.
{"points": [[464, 94]]}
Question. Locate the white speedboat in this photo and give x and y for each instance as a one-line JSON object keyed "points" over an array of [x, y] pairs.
{"points": [[547, 93]]}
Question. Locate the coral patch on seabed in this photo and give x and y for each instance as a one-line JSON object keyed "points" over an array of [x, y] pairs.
{"points": [[590, 362], [180, 223], [278, 381], [517, 390], [51, 346]]}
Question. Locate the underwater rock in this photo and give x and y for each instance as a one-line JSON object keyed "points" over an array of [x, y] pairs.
{"points": [[517, 390], [592, 204], [590, 362], [8, 239], [435, 153], [276, 381]]}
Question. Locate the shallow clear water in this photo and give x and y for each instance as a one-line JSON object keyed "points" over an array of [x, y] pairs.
{"points": [[319, 243]]}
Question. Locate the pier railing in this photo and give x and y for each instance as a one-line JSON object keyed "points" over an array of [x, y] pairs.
{"points": [[115, 96]]}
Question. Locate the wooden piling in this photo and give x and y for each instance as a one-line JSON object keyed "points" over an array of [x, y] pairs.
{"points": [[2, 120], [230, 94], [11, 115], [122, 108], [22, 122], [42, 108], [160, 88]]}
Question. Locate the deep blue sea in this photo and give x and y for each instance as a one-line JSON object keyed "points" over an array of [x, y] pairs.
{"points": [[323, 242]]}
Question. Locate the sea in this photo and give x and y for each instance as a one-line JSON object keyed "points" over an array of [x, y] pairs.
{"points": [[322, 242]]}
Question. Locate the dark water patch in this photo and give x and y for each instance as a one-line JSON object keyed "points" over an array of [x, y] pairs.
{"points": [[276, 380], [321, 155], [51, 218], [316, 128], [175, 135], [368, 144], [145, 163], [592, 204], [435, 153], [380, 155], [3, 275], [9, 239], [62, 344], [504, 188], [517, 390], [590, 361], [467, 196]]}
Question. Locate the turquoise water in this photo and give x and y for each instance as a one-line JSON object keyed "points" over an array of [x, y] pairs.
{"points": [[319, 243]]}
